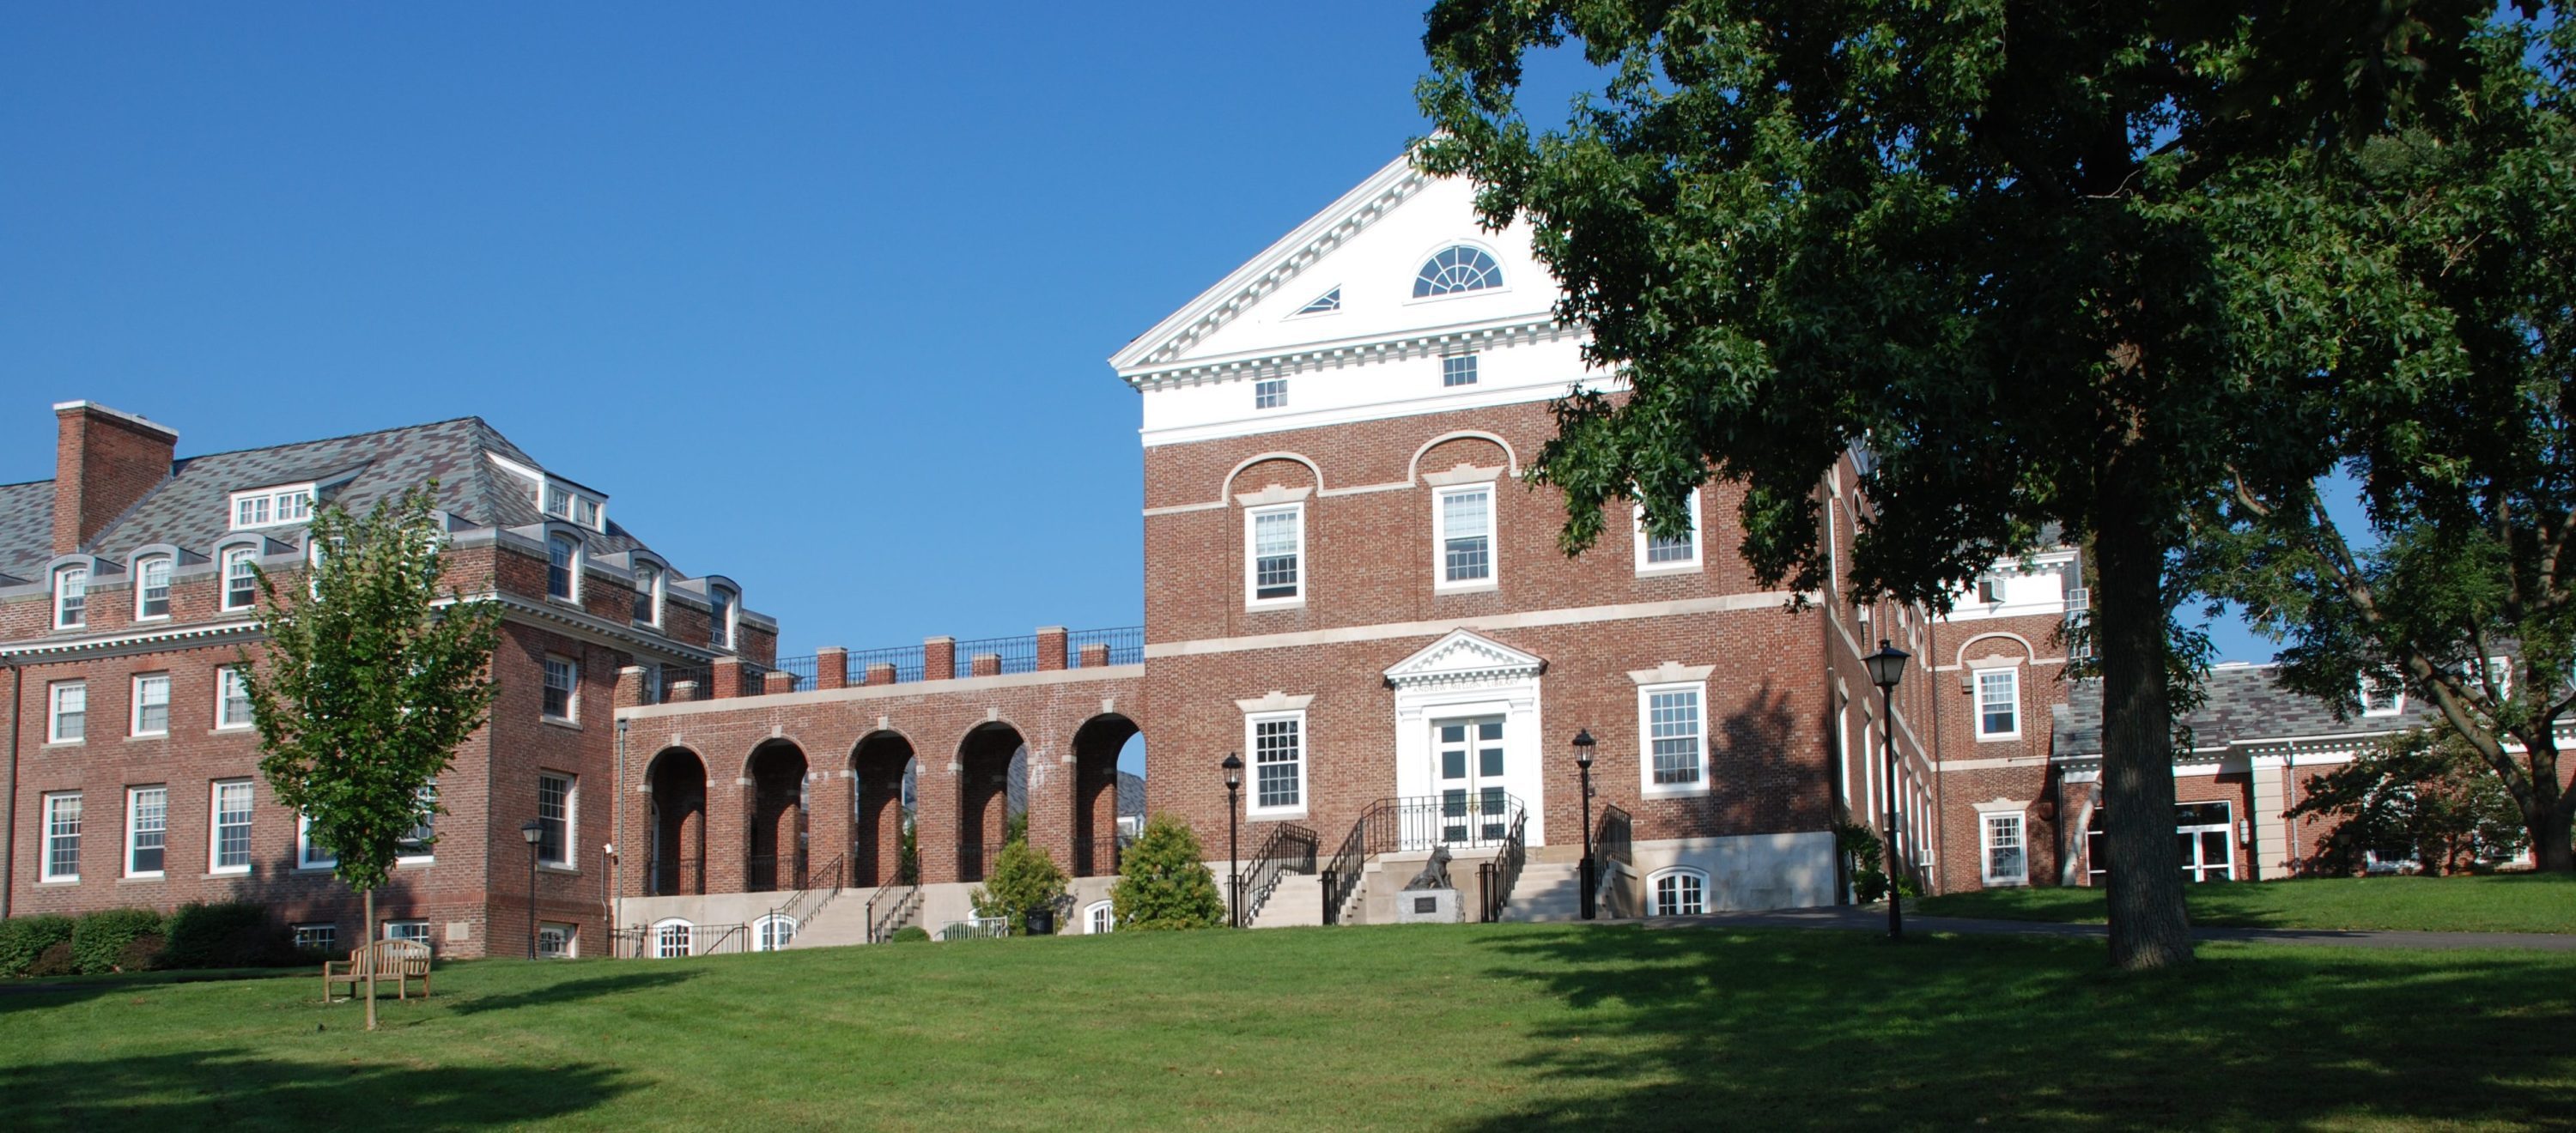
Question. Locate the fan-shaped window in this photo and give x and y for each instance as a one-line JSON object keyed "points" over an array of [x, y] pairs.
{"points": [[1325, 303], [1678, 892], [1457, 268]]}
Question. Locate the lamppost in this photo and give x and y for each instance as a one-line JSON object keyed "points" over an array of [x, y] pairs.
{"points": [[534, 830], [1886, 667], [1583, 764], [1233, 861]]}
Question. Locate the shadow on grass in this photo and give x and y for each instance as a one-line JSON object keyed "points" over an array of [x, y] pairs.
{"points": [[1748, 1029], [567, 991], [222, 1088], [28, 994]]}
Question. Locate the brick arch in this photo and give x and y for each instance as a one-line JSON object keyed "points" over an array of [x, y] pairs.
{"points": [[1454, 453], [1097, 742], [983, 763], [675, 822], [774, 812], [876, 804], [1994, 636], [1225, 488]]}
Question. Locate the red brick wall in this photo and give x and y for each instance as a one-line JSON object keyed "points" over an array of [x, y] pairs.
{"points": [[102, 465]]}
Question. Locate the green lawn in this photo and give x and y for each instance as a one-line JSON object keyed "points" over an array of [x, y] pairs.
{"points": [[2499, 903], [1471, 1027]]}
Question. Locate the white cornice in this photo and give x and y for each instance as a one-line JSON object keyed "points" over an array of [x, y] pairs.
{"points": [[1511, 330], [1463, 657], [194, 636]]}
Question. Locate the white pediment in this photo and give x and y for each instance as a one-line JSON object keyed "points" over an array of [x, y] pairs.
{"points": [[1464, 657]]}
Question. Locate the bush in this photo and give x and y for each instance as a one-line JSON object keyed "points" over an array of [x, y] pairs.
{"points": [[143, 953], [911, 932], [55, 960], [1863, 851], [99, 939], [1164, 882], [24, 939], [233, 934], [1024, 880]]}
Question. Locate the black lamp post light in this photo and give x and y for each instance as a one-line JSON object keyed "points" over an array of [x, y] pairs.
{"points": [[1583, 765], [1233, 861], [1886, 668], [534, 830]]}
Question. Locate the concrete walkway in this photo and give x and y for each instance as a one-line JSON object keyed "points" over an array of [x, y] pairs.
{"points": [[1873, 918]]}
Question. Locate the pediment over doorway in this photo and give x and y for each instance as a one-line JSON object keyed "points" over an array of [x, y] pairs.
{"points": [[1464, 657]]}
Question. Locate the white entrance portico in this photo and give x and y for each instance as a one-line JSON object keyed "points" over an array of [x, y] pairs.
{"points": [[1451, 700]]}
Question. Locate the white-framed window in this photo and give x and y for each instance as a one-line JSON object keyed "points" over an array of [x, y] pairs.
{"points": [[147, 830], [228, 841], [232, 697], [309, 852], [241, 577], [720, 618], [1457, 370], [1463, 537], [152, 588], [1999, 704], [415, 931], [671, 938], [563, 688], [564, 503], [1277, 741], [772, 933], [563, 567], [67, 712], [1323, 304], [1678, 892], [2004, 849], [1274, 554], [1099, 917], [321, 938], [62, 836], [557, 941], [1658, 554], [418, 846], [557, 803], [71, 597], [2382, 696], [1672, 720], [1269, 393], [151, 715], [1454, 269], [269, 507], [648, 595], [2499, 673]]}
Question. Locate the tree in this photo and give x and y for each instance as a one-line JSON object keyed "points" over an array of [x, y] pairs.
{"points": [[2424, 795], [1164, 882], [2464, 450], [2017, 258], [1024, 880], [369, 685]]}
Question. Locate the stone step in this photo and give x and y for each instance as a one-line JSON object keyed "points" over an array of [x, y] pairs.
{"points": [[1298, 901]]}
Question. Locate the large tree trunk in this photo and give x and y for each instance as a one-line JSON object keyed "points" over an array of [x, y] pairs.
{"points": [[2550, 813], [2149, 928]]}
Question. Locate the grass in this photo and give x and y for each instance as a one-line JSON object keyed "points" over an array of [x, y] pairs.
{"points": [[1467, 1027], [2498, 903]]}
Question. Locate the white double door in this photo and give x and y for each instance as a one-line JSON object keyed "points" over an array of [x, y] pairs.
{"points": [[1470, 768]]}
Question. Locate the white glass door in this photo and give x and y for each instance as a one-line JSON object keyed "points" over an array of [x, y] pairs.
{"points": [[1469, 754]]}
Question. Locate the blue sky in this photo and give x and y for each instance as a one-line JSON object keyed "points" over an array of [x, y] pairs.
{"points": [[820, 295]]}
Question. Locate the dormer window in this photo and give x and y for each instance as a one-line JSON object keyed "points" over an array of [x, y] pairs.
{"points": [[720, 618], [1456, 269], [152, 587], [564, 503], [648, 595], [563, 567], [2382, 696], [270, 507], [241, 579], [71, 597]]}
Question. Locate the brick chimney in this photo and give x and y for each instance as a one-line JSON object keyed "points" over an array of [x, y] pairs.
{"points": [[104, 461]]}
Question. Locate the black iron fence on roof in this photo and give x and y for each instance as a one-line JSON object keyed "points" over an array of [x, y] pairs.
{"points": [[1011, 654], [906, 660], [1126, 644]]}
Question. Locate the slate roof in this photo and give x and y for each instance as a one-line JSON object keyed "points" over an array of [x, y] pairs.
{"points": [[189, 509], [2245, 704]]}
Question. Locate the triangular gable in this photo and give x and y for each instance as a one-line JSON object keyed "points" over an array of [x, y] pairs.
{"points": [[1464, 656]]}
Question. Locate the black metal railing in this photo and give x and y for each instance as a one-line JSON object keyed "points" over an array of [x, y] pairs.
{"points": [[1504, 871], [1126, 644], [672, 941], [906, 659], [762, 872], [810, 899], [891, 908], [1614, 843], [1289, 849], [674, 675], [970, 861], [803, 669], [1422, 822], [1086, 859], [679, 877], [1013, 654]]}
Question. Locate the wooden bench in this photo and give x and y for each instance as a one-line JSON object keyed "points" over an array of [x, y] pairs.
{"points": [[398, 960]]}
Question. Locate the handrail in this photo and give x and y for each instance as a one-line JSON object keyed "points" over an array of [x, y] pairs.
{"points": [[1289, 849], [906, 896], [1418, 822], [795, 909], [1341, 874], [1504, 872], [1615, 837]]}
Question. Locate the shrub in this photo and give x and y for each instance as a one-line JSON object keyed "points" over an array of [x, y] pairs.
{"points": [[1024, 880], [55, 960], [99, 939], [24, 939], [1164, 881], [232, 934], [143, 953], [911, 932], [1865, 853]]}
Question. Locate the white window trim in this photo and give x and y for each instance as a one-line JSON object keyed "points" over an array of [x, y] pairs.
{"points": [[141, 584], [1978, 686], [1280, 382], [223, 675], [726, 616], [1691, 565], [653, 603], [61, 593], [1646, 785], [2395, 706], [2499, 672], [1252, 558], [304, 858], [429, 795], [571, 816], [224, 577], [391, 925], [1103, 913], [45, 837], [571, 938], [132, 797], [1653, 879], [760, 929], [1252, 808], [1493, 579], [572, 566], [215, 827], [302, 932], [688, 937], [1424, 260], [1986, 848], [233, 502], [134, 705], [54, 711], [572, 696], [1475, 370]]}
